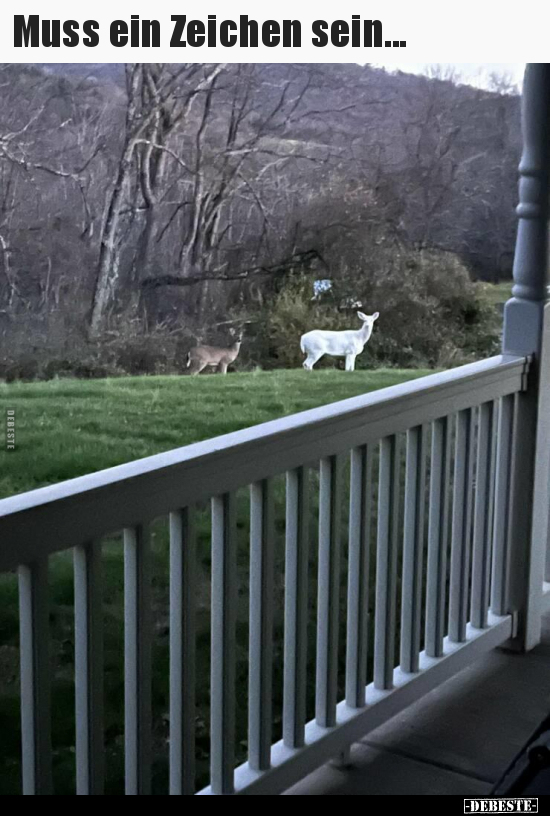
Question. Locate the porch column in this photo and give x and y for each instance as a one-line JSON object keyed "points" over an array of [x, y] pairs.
{"points": [[527, 332]]}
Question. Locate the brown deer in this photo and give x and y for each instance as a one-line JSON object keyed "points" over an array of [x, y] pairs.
{"points": [[202, 356]]}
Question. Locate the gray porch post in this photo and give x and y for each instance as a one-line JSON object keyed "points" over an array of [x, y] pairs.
{"points": [[527, 332]]}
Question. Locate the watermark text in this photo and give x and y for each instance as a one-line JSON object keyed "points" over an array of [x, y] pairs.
{"points": [[10, 429]]}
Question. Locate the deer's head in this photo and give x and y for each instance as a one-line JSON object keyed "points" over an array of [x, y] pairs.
{"points": [[368, 319]]}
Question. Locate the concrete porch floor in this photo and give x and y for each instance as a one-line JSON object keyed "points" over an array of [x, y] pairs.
{"points": [[456, 740]]}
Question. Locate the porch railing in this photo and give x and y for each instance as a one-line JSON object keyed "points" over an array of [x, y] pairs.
{"points": [[453, 594]]}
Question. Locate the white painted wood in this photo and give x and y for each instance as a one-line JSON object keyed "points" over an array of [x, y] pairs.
{"points": [[34, 635], [296, 607], [89, 668], [545, 601], [483, 505], [413, 549], [261, 625], [540, 554], [137, 660], [328, 587], [224, 611], [78, 510], [438, 533], [386, 563], [289, 765], [360, 513], [182, 651], [461, 535], [527, 332], [503, 488], [526, 565], [260, 451]]}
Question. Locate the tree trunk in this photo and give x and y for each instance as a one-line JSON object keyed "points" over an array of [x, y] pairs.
{"points": [[107, 270]]}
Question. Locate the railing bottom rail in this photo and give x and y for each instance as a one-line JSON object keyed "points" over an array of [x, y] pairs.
{"points": [[290, 765]]}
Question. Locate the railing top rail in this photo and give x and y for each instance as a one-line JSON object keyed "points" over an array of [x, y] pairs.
{"points": [[56, 517]]}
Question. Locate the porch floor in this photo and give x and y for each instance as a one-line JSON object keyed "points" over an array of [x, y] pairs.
{"points": [[456, 740]]}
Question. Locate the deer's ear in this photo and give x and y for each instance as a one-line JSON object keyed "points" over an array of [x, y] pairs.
{"points": [[376, 315], [361, 316]]}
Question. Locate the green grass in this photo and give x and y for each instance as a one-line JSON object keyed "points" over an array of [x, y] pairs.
{"points": [[497, 293], [67, 428]]}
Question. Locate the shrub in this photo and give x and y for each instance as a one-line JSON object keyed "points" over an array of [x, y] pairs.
{"points": [[431, 312], [42, 349], [431, 315]]}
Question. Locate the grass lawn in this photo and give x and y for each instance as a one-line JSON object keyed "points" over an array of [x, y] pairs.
{"points": [[498, 293], [66, 428]]}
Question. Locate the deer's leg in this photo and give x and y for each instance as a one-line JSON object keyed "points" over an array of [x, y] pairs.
{"points": [[310, 361], [222, 367], [350, 362], [196, 368]]}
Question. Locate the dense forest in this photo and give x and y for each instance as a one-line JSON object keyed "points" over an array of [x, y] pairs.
{"points": [[145, 206]]}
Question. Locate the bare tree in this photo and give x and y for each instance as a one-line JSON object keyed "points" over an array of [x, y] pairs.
{"points": [[503, 84], [191, 191], [152, 92], [41, 149], [199, 155]]}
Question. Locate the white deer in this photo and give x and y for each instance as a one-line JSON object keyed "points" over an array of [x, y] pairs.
{"points": [[202, 356], [346, 344]]}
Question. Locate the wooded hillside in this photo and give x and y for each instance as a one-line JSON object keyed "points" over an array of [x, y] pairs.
{"points": [[174, 194]]}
